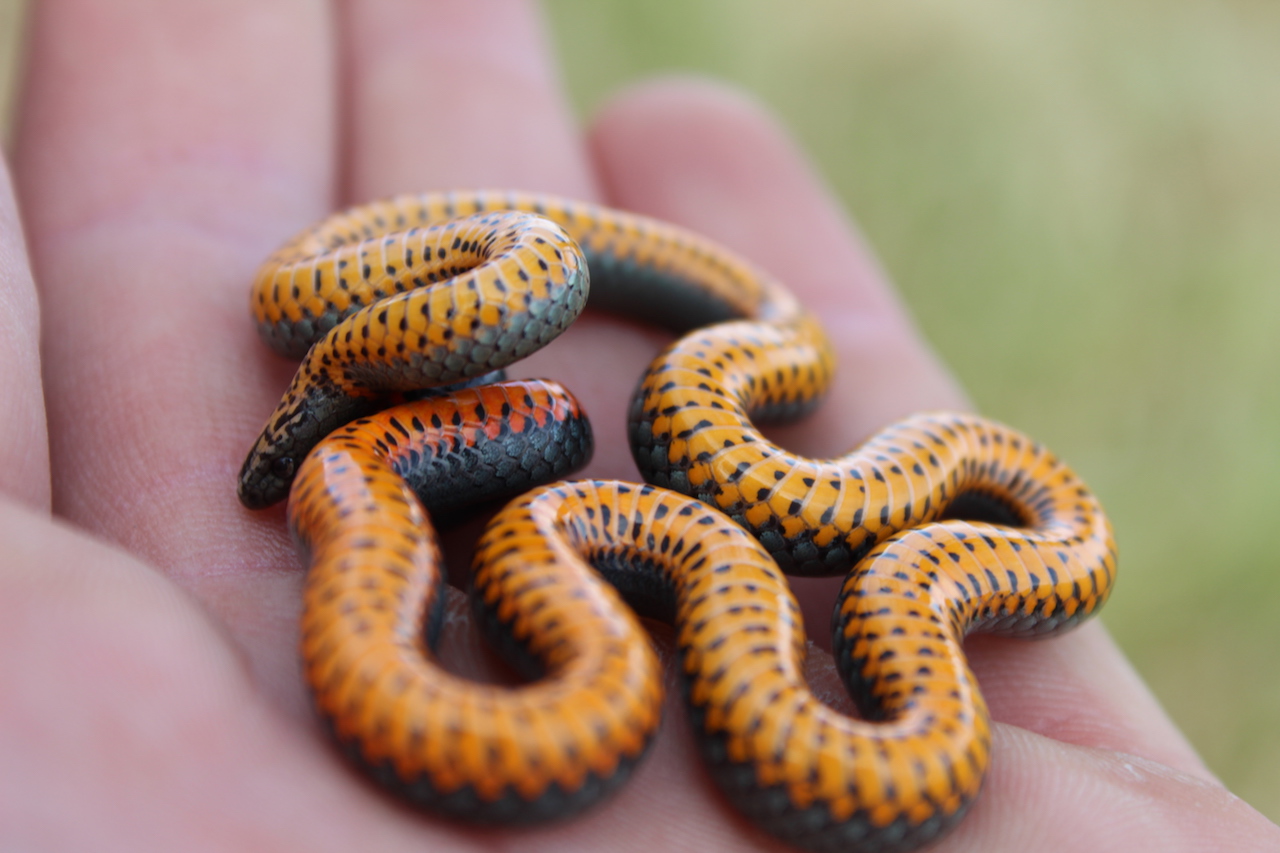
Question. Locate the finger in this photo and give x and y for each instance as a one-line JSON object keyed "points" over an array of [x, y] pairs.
{"points": [[462, 94], [710, 159], [24, 454], [130, 724], [162, 150], [454, 94], [1080, 688]]}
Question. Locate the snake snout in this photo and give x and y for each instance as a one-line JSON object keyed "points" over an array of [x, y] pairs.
{"points": [[265, 479]]}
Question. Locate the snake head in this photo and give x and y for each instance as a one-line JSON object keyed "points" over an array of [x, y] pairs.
{"points": [[267, 472], [297, 425]]}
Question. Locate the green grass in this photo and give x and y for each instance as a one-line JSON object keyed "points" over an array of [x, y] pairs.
{"points": [[10, 32], [1081, 202]]}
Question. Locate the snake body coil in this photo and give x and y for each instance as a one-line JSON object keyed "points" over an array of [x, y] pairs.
{"points": [[943, 523]]}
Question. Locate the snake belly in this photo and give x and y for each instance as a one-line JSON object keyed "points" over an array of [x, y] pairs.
{"points": [[944, 524]]}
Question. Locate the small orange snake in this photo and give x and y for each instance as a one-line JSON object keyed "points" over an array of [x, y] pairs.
{"points": [[945, 524]]}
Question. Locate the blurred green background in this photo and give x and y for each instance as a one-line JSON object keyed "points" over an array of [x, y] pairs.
{"points": [[1081, 202]]}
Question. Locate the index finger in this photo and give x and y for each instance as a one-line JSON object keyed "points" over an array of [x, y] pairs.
{"points": [[162, 149]]}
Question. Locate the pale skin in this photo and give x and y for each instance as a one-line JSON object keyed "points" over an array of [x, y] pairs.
{"points": [[152, 698]]}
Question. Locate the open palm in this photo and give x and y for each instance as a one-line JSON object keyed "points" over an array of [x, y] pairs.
{"points": [[152, 697]]}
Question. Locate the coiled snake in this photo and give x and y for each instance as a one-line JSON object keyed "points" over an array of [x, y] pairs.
{"points": [[943, 523]]}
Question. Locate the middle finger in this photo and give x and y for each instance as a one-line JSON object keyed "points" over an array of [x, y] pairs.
{"points": [[460, 94]]}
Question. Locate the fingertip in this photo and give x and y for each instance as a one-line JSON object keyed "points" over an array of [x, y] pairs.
{"points": [[716, 159], [709, 156], [1042, 794], [1079, 689]]}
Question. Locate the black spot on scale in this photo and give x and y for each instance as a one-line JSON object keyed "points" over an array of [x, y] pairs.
{"points": [[991, 578]]}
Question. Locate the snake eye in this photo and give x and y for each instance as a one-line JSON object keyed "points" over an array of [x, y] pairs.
{"points": [[282, 467]]}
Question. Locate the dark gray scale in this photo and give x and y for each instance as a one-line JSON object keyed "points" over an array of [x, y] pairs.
{"points": [[813, 828], [640, 579], [621, 286], [448, 478], [511, 809]]}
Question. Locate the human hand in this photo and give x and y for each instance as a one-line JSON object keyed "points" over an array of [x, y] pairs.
{"points": [[163, 150]]}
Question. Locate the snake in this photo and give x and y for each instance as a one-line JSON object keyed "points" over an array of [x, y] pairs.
{"points": [[942, 524]]}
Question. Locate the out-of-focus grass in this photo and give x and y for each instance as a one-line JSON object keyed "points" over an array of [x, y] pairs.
{"points": [[1081, 202], [10, 31]]}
